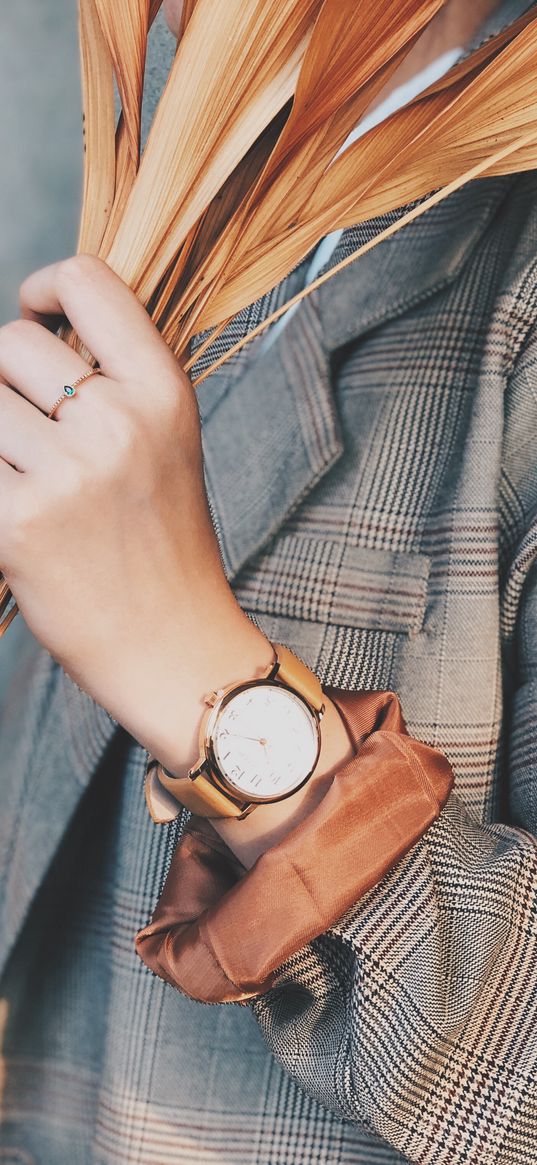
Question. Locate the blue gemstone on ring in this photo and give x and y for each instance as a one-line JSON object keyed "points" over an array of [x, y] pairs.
{"points": [[69, 390]]}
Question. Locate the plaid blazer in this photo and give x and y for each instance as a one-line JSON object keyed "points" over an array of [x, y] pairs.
{"points": [[373, 481]]}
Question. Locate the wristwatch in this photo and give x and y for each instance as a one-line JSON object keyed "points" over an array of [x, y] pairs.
{"points": [[259, 742]]}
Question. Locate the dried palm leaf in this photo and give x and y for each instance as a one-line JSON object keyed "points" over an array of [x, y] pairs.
{"points": [[467, 70], [8, 607], [441, 135], [97, 73], [329, 100], [213, 109], [498, 163]]}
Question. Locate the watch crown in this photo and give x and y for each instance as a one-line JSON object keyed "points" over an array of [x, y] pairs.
{"points": [[212, 697]]}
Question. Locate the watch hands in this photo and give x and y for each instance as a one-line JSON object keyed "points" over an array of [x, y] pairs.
{"points": [[257, 739]]}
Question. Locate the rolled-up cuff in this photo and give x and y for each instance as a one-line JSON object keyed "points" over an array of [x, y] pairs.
{"points": [[220, 932]]}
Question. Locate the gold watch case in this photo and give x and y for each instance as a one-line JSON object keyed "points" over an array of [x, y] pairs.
{"points": [[208, 763], [206, 791]]}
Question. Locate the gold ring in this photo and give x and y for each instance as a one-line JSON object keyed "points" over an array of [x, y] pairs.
{"points": [[69, 390]]}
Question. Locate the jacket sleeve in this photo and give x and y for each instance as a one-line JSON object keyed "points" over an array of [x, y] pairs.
{"points": [[387, 945], [219, 933], [416, 1013]]}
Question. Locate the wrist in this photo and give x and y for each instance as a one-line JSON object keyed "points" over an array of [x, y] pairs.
{"points": [[161, 699]]}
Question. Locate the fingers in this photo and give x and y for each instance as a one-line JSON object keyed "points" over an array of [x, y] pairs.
{"points": [[37, 363], [104, 312], [25, 436]]}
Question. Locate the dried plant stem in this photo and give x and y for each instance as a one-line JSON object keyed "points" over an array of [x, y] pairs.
{"points": [[5, 599], [411, 216]]}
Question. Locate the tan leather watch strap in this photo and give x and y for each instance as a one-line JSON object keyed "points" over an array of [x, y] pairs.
{"points": [[292, 671], [200, 796]]}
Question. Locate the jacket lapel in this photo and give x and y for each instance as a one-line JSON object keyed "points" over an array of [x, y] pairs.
{"points": [[417, 262], [271, 429], [273, 433]]}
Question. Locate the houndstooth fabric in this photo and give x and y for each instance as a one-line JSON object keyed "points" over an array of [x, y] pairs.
{"points": [[373, 480]]}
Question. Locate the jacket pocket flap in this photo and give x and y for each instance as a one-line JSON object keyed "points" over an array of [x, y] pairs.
{"points": [[327, 581]]}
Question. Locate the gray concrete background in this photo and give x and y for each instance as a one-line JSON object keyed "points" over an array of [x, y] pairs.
{"points": [[40, 140], [40, 148]]}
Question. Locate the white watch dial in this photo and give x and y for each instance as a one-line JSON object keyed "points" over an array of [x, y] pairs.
{"points": [[265, 741]]}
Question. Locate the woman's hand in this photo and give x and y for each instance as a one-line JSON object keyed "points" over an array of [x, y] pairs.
{"points": [[106, 538]]}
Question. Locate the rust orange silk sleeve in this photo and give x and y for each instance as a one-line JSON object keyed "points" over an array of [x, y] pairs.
{"points": [[220, 932]]}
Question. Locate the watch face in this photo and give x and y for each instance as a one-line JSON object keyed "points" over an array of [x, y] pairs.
{"points": [[265, 742]]}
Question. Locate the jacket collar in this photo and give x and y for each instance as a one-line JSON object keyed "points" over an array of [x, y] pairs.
{"points": [[281, 417], [419, 261], [281, 412], [503, 15]]}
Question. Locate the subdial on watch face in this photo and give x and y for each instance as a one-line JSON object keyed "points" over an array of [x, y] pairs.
{"points": [[265, 741]]}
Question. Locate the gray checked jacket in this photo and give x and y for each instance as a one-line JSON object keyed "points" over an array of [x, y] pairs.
{"points": [[373, 480]]}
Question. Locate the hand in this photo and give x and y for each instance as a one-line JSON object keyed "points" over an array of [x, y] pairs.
{"points": [[106, 538]]}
